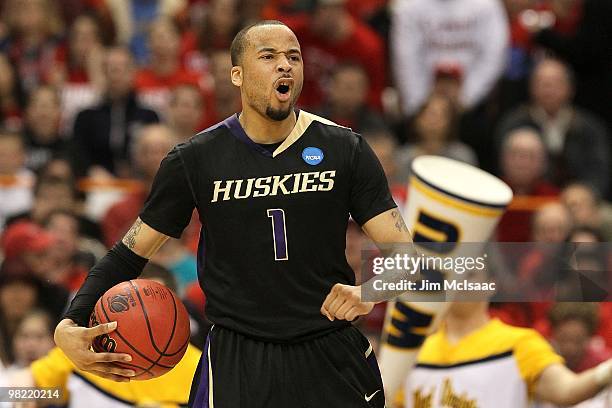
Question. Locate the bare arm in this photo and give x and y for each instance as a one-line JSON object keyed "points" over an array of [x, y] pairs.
{"points": [[144, 240], [390, 233], [560, 386], [388, 228]]}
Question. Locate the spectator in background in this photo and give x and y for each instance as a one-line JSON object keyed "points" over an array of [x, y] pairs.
{"points": [[29, 245], [573, 326], [347, 99], [186, 111], [330, 36], [435, 131], [470, 34], [34, 29], [164, 71], [41, 131], [576, 141], [220, 23], [552, 223], [587, 50], [54, 193], [79, 71], [588, 208], [19, 294], [523, 163], [385, 147], [33, 339], [131, 19], [16, 181], [152, 145], [224, 100], [10, 98], [105, 132], [69, 265], [523, 167]]}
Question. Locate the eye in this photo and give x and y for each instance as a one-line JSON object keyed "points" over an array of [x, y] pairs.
{"points": [[295, 58], [267, 56]]}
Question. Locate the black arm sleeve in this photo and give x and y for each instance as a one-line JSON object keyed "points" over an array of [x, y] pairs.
{"points": [[170, 204], [370, 193], [118, 265]]}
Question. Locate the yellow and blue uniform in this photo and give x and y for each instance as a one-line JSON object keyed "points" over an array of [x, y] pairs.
{"points": [[82, 389], [497, 366]]}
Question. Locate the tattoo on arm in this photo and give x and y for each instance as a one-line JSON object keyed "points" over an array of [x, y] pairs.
{"points": [[400, 225], [130, 238]]}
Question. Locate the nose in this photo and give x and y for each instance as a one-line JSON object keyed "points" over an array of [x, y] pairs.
{"points": [[284, 64]]}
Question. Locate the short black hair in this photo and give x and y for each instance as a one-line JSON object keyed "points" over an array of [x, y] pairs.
{"points": [[239, 44]]}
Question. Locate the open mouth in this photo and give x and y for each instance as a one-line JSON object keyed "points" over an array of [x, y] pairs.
{"points": [[283, 89]]}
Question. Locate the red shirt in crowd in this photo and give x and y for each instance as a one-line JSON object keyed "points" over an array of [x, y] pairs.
{"points": [[363, 47], [515, 224], [154, 90]]}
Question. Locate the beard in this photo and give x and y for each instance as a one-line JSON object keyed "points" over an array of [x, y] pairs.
{"points": [[278, 114]]}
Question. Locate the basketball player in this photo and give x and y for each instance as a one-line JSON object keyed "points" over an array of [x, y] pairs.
{"points": [[274, 188]]}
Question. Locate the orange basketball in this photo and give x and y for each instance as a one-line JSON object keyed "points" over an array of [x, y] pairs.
{"points": [[152, 326]]}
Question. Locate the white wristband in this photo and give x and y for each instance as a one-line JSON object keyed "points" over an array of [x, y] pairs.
{"points": [[603, 373]]}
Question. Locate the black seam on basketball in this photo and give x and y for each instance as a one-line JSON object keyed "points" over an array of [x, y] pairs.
{"points": [[175, 319], [127, 342], [161, 354], [146, 315], [173, 324]]}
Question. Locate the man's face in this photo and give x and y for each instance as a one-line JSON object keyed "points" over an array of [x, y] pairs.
{"points": [[582, 204], [12, 156], [550, 87], [271, 73], [119, 72], [152, 147], [571, 338], [523, 158], [43, 113], [164, 40], [186, 108], [349, 90]]}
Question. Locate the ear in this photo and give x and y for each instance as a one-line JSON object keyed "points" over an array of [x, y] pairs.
{"points": [[236, 75]]}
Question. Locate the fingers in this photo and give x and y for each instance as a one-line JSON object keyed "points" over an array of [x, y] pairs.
{"points": [[343, 309], [341, 299], [101, 329], [110, 357], [353, 313], [327, 302], [111, 369]]}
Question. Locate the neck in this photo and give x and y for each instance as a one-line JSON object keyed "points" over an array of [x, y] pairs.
{"points": [[458, 326], [262, 129]]}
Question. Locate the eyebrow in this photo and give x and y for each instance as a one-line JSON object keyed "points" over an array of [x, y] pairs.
{"points": [[274, 50]]}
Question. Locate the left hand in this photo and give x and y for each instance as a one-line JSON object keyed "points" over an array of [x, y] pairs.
{"points": [[344, 303]]}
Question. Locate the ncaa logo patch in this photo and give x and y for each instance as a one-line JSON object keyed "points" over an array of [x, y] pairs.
{"points": [[312, 155]]}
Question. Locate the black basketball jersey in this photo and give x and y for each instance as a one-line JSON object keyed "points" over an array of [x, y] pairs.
{"points": [[274, 223]]}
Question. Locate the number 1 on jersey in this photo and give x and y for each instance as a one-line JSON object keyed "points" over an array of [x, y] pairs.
{"points": [[279, 233]]}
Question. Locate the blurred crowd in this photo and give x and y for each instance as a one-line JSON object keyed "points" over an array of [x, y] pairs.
{"points": [[93, 93]]}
